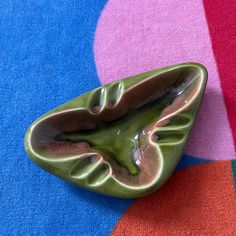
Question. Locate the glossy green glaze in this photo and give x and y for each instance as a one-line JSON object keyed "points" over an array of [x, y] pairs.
{"points": [[123, 139]]}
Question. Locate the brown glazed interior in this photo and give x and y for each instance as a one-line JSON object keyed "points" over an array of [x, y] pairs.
{"points": [[182, 82]]}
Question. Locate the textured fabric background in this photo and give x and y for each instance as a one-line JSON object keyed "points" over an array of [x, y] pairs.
{"points": [[52, 51]]}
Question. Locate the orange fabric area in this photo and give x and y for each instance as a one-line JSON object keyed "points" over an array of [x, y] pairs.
{"points": [[196, 201]]}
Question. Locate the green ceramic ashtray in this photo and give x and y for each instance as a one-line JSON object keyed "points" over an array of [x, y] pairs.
{"points": [[123, 139]]}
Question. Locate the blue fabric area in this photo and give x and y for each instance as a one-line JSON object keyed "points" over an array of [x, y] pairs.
{"points": [[234, 171], [46, 58], [188, 161]]}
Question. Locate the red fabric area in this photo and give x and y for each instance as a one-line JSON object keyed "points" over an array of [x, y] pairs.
{"points": [[221, 18], [196, 201]]}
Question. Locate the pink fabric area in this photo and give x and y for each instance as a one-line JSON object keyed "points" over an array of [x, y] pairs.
{"points": [[135, 36]]}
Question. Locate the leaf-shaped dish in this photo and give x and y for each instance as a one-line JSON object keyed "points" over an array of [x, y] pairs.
{"points": [[125, 138]]}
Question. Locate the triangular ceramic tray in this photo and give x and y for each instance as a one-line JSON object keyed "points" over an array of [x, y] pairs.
{"points": [[123, 139]]}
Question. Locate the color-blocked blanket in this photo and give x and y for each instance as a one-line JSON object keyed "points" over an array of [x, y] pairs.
{"points": [[53, 51]]}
